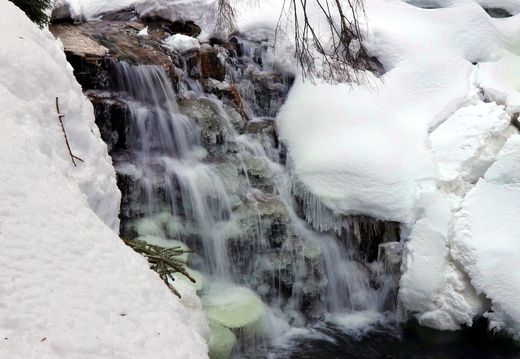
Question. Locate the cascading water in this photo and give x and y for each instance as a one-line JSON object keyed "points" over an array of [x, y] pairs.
{"points": [[169, 147], [200, 176]]}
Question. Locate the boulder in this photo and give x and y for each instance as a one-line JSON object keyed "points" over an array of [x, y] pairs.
{"points": [[205, 63]]}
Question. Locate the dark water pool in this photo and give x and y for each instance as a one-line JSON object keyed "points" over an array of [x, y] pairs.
{"points": [[409, 341]]}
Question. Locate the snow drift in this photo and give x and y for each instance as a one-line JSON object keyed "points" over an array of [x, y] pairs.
{"points": [[411, 148], [69, 286]]}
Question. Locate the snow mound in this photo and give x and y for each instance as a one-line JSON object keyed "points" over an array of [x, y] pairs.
{"points": [[182, 43], [486, 244], [459, 145], [69, 286], [500, 80], [410, 146], [88, 9]]}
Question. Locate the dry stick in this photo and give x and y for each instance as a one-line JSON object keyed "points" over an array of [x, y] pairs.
{"points": [[72, 157]]}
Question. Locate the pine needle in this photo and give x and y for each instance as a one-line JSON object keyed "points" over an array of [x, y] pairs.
{"points": [[163, 260]]}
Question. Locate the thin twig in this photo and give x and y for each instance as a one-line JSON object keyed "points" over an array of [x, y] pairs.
{"points": [[60, 116]]}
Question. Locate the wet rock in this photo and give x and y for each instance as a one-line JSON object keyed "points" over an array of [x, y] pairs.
{"points": [[205, 63], [115, 40], [91, 72], [260, 174], [260, 125], [112, 118], [211, 119], [76, 43], [275, 216], [228, 174], [368, 233], [236, 119], [266, 92], [188, 28], [229, 94]]}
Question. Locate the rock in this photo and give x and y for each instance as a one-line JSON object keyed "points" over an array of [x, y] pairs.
{"points": [[260, 174], [76, 43], [497, 12], [211, 119], [120, 38], [229, 95], [188, 28], [222, 340], [233, 307], [266, 92], [112, 118], [261, 124], [228, 174], [205, 63]]}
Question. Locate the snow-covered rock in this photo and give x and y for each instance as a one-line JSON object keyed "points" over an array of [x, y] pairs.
{"points": [[88, 9], [69, 285], [410, 148]]}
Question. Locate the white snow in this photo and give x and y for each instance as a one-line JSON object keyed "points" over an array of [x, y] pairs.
{"points": [[182, 43], [88, 9], [412, 146], [459, 145], [143, 32], [500, 80], [69, 286]]}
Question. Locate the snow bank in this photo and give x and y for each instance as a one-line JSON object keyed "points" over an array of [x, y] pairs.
{"points": [[69, 286], [486, 241], [88, 9], [410, 148]]}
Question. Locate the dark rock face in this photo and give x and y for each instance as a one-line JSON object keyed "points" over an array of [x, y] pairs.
{"points": [[205, 63], [112, 118]]}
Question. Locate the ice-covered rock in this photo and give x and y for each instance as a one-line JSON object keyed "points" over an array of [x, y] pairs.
{"points": [[233, 307], [221, 342]]}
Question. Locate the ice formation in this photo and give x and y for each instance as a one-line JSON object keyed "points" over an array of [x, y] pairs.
{"points": [[69, 285]]}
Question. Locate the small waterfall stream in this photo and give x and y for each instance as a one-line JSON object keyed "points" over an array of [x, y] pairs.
{"points": [[199, 165], [218, 200]]}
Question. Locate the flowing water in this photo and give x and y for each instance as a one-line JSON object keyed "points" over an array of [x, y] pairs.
{"points": [[226, 195]]}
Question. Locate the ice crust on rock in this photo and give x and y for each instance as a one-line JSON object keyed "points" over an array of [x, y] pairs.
{"points": [[69, 285], [233, 307]]}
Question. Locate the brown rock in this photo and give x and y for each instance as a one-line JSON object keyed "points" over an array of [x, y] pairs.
{"points": [[205, 63]]}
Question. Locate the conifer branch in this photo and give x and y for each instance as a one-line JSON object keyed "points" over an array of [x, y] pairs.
{"points": [[162, 260]]}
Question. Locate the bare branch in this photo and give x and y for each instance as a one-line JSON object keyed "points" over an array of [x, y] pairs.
{"points": [[226, 18], [72, 157]]}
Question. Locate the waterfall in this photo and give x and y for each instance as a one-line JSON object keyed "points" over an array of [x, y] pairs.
{"points": [[195, 173], [169, 142]]}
